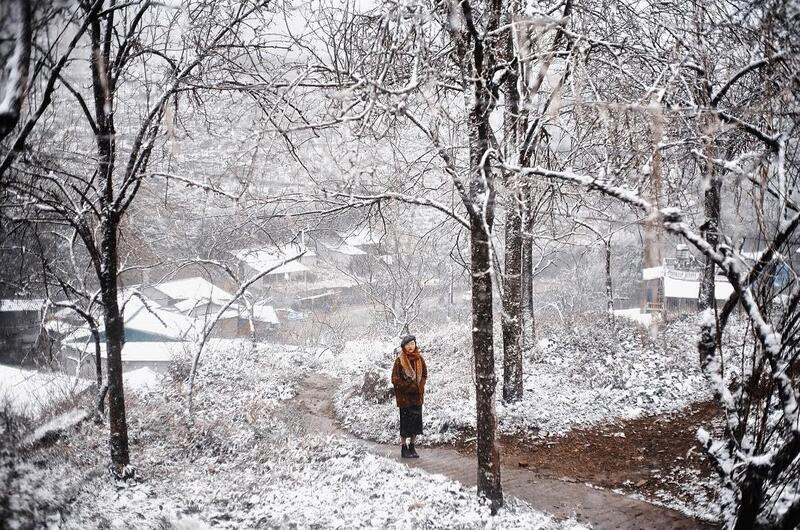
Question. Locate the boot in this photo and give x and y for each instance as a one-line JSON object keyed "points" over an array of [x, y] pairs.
{"points": [[412, 452], [405, 452]]}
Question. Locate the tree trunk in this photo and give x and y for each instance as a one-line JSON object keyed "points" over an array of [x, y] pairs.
{"points": [[98, 371], [609, 290], [711, 234], [527, 283], [512, 318], [17, 83], [108, 256], [115, 339], [481, 220], [485, 379], [512, 306]]}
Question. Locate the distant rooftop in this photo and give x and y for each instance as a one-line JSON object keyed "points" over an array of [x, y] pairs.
{"points": [[195, 289], [361, 236], [21, 304], [264, 259]]}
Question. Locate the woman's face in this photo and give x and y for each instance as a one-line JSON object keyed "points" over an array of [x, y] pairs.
{"points": [[410, 347]]}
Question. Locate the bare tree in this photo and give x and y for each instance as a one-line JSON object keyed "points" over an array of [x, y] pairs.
{"points": [[122, 43]]}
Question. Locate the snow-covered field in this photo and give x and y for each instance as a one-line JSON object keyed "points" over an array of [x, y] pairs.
{"points": [[30, 393], [248, 462], [588, 374]]}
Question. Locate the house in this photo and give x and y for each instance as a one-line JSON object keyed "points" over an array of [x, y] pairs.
{"points": [[150, 330], [253, 261], [366, 239], [79, 355], [20, 328], [675, 285], [199, 291], [343, 255]]}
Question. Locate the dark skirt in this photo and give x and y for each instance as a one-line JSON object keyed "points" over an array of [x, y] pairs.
{"points": [[410, 421]]}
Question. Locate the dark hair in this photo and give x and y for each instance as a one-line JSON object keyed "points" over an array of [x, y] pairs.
{"points": [[406, 339]]}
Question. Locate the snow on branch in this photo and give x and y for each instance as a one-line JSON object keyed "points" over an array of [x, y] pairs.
{"points": [[720, 93], [195, 184], [409, 199]]}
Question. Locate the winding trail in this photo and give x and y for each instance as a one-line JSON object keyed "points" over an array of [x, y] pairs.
{"points": [[601, 508]]}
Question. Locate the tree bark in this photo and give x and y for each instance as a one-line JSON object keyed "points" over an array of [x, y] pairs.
{"points": [[485, 379], [609, 286], [711, 234], [527, 283], [512, 306], [17, 86], [512, 317], [115, 339], [481, 220], [109, 259]]}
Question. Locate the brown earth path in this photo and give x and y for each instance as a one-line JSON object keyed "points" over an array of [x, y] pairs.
{"points": [[601, 508]]}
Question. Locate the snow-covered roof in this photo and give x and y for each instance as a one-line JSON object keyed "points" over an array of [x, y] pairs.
{"points": [[150, 319], [361, 236], [155, 320], [194, 289], [690, 289], [651, 273], [326, 294], [21, 304], [60, 326], [344, 248], [151, 352], [754, 256], [265, 313], [28, 392], [263, 259]]}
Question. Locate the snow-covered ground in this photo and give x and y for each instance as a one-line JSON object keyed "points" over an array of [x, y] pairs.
{"points": [[584, 375], [30, 393], [247, 462]]}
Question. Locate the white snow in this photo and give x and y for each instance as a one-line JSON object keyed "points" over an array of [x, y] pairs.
{"points": [[152, 319], [262, 260], [580, 376], [20, 304], [153, 352], [344, 248], [652, 273], [196, 289], [360, 237], [30, 393], [636, 315], [690, 289], [61, 422], [265, 313], [141, 379], [247, 463]]}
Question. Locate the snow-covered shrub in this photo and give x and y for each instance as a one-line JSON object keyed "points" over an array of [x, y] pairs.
{"points": [[376, 387], [589, 373]]}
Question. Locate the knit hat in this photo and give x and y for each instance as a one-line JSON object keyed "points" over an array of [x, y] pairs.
{"points": [[406, 339]]}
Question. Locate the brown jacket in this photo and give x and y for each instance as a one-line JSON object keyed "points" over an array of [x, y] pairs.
{"points": [[407, 391]]}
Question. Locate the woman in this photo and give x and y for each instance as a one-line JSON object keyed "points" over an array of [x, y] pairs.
{"points": [[409, 375]]}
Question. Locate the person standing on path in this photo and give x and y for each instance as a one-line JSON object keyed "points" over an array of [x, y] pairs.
{"points": [[409, 375]]}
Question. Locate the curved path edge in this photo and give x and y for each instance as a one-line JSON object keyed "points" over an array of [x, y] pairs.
{"points": [[600, 508]]}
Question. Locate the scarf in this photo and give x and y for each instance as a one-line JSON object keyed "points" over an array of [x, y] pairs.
{"points": [[412, 365]]}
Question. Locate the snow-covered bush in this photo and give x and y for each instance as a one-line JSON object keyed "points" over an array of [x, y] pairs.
{"points": [[583, 375]]}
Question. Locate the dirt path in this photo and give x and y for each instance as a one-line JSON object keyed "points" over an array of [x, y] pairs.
{"points": [[602, 509]]}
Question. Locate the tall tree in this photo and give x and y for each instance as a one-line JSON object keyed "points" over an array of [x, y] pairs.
{"points": [[126, 44]]}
